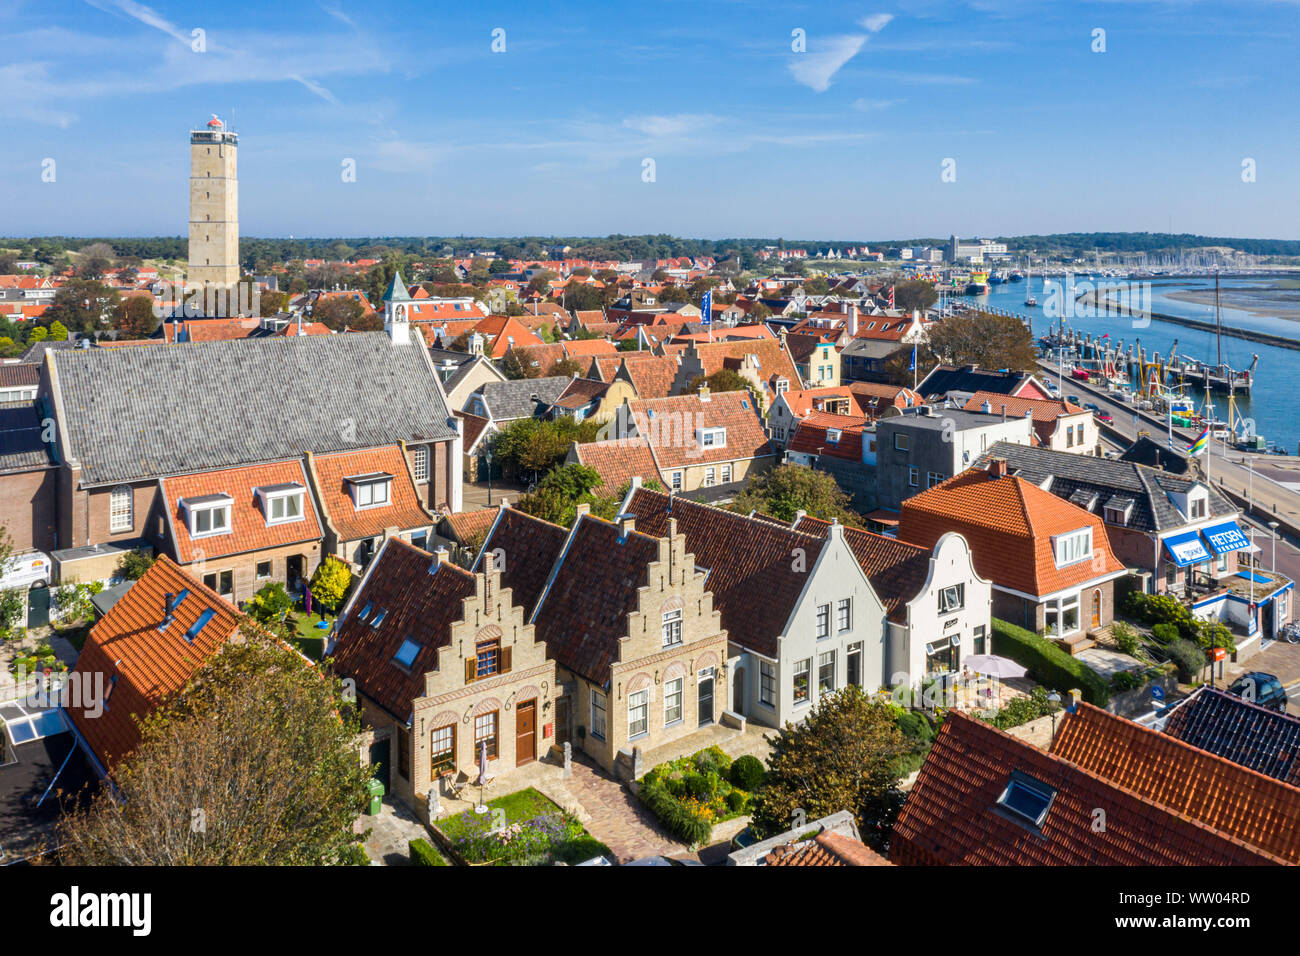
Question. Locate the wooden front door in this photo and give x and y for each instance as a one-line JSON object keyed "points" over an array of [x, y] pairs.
{"points": [[525, 733], [1096, 609]]}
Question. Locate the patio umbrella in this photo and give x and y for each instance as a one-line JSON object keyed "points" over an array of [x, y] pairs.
{"points": [[482, 764], [993, 666]]}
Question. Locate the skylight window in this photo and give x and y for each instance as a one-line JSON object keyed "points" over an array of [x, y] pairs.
{"points": [[1027, 799], [407, 653], [379, 618], [176, 601], [365, 611], [197, 627]]}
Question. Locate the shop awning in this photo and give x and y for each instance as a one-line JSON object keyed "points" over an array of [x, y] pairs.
{"points": [[1225, 537], [1186, 548]]}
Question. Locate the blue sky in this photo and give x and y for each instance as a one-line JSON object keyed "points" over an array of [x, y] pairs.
{"points": [[749, 138]]}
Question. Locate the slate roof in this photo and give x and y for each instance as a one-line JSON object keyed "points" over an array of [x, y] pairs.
{"points": [[419, 606], [1245, 733], [1064, 473], [1009, 524], [529, 548], [897, 570], [403, 510], [946, 378], [619, 460], [141, 665], [35, 353], [951, 815], [1258, 810], [754, 583], [1147, 451], [583, 614], [21, 444], [249, 530], [145, 413], [507, 401]]}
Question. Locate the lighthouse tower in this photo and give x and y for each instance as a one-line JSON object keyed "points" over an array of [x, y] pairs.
{"points": [[214, 206]]}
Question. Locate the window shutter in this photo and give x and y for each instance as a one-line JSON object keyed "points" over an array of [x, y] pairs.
{"points": [[505, 659], [471, 669]]}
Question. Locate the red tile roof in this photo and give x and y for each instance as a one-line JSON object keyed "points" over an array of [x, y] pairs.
{"points": [[403, 510], [249, 530], [208, 330], [618, 460], [470, 526], [1009, 524], [1258, 810], [812, 435], [1044, 412], [826, 849], [474, 425], [952, 817], [142, 666], [418, 606], [672, 424], [503, 332], [18, 375], [774, 362]]}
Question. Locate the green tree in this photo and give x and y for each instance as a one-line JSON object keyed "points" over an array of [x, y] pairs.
{"points": [[787, 489], [135, 318], [916, 294], [286, 795], [133, 565], [330, 583], [843, 756], [980, 338], [565, 366], [338, 313], [58, 331], [270, 604], [39, 334], [533, 447], [723, 380]]}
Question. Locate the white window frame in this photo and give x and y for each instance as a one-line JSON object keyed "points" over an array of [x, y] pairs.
{"points": [[724, 474], [363, 494], [121, 513], [913, 477], [823, 628], [677, 481], [710, 477], [420, 463], [672, 627], [712, 437], [1055, 610], [213, 531], [844, 615], [902, 441], [952, 598], [1072, 547], [802, 668], [271, 501], [638, 713], [674, 689], [823, 659]]}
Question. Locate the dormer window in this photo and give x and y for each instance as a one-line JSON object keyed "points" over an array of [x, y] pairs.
{"points": [[370, 491], [1198, 508], [712, 437], [833, 436], [1073, 547], [208, 514], [282, 503]]}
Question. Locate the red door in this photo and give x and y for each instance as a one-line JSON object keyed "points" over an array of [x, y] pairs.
{"points": [[525, 733]]}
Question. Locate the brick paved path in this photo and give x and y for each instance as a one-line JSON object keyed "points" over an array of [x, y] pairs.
{"points": [[616, 817]]}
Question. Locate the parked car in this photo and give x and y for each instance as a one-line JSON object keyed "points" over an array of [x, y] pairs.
{"points": [[1072, 399], [1106, 417], [1260, 688]]}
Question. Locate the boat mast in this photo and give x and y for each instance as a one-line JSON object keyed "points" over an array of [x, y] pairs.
{"points": [[1218, 321]]}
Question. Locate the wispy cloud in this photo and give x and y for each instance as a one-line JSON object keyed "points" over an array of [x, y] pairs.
{"points": [[867, 106], [816, 70], [876, 22], [146, 15], [316, 88], [676, 125]]}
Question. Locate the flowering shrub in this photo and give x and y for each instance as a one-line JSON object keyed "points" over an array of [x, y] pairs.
{"points": [[689, 795], [535, 833]]}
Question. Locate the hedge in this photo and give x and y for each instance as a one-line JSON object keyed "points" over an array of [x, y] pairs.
{"points": [[423, 854], [1047, 663], [678, 820]]}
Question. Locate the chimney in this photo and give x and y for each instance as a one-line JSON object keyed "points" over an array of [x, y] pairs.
{"points": [[168, 616], [853, 321], [987, 408], [581, 509], [704, 393], [626, 524], [1075, 696], [997, 467], [443, 556]]}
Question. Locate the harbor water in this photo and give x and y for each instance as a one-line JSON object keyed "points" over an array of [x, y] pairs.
{"points": [[1272, 404]]}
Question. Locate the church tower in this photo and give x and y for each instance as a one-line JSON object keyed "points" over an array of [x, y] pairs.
{"points": [[214, 206], [397, 307]]}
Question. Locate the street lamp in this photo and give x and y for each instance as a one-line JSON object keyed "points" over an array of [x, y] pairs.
{"points": [[488, 456], [1272, 565], [1054, 699]]}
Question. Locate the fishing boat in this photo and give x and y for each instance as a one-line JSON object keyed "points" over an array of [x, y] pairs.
{"points": [[1017, 276], [979, 284], [1029, 289]]}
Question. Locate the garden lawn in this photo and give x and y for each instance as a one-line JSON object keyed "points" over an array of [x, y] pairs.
{"points": [[309, 639], [534, 832]]}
